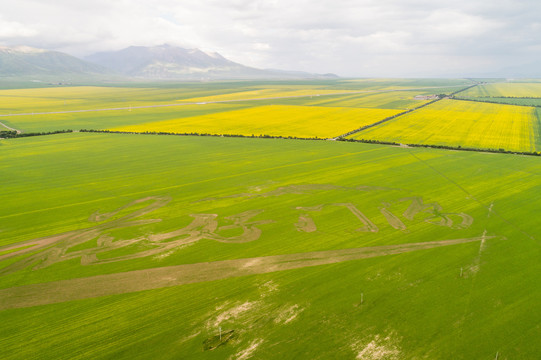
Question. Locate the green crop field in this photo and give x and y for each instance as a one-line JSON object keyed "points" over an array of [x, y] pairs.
{"points": [[113, 118], [139, 246], [165, 247], [401, 100], [463, 123], [506, 89]]}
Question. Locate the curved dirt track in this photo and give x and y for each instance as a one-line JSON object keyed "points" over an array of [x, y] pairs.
{"points": [[139, 280], [10, 128]]}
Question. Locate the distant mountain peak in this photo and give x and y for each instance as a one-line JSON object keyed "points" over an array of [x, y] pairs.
{"points": [[161, 62], [172, 62], [25, 61], [215, 55]]}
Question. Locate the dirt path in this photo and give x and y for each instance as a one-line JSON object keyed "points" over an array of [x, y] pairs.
{"points": [[139, 280], [222, 101], [10, 128]]}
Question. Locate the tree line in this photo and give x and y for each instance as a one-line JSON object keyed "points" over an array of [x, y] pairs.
{"points": [[483, 100], [439, 97], [9, 134], [253, 136], [14, 134], [445, 147]]}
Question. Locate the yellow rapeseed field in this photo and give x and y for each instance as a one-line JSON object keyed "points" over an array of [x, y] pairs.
{"points": [[275, 120], [462, 123]]}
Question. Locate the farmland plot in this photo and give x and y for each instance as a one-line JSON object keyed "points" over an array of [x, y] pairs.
{"points": [[462, 123], [401, 100], [505, 90], [275, 120], [93, 107], [139, 246]]}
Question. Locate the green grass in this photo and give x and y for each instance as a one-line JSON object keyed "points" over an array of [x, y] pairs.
{"points": [[416, 305]]}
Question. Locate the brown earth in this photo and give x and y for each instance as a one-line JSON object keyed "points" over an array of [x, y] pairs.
{"points": [[132, 281]]}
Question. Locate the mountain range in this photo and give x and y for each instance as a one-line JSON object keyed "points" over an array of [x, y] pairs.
{"points": [[162, 62], [23, 61]]}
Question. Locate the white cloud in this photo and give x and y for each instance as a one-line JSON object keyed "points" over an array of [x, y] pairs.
{"points": [[349, 37], [14, 29], [261, 46]]}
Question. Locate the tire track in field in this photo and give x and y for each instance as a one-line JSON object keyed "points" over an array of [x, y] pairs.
{"points": [[488, 208], [156, 278]]}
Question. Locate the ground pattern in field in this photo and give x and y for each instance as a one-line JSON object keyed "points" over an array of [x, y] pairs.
{"points": [[63, 247]]}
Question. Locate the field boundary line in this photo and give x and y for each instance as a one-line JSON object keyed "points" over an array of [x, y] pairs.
{"points": [[400, 114], [156, 278], [537, 131]]}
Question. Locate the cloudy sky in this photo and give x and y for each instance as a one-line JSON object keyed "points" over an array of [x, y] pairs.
{"points": [[365, 38]]}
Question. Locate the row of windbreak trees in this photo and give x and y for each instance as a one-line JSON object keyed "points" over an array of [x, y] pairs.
{"points": [[438, 98], [504, 100], [253, 136], [14, 134], [386, 119], [445, 147]]}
